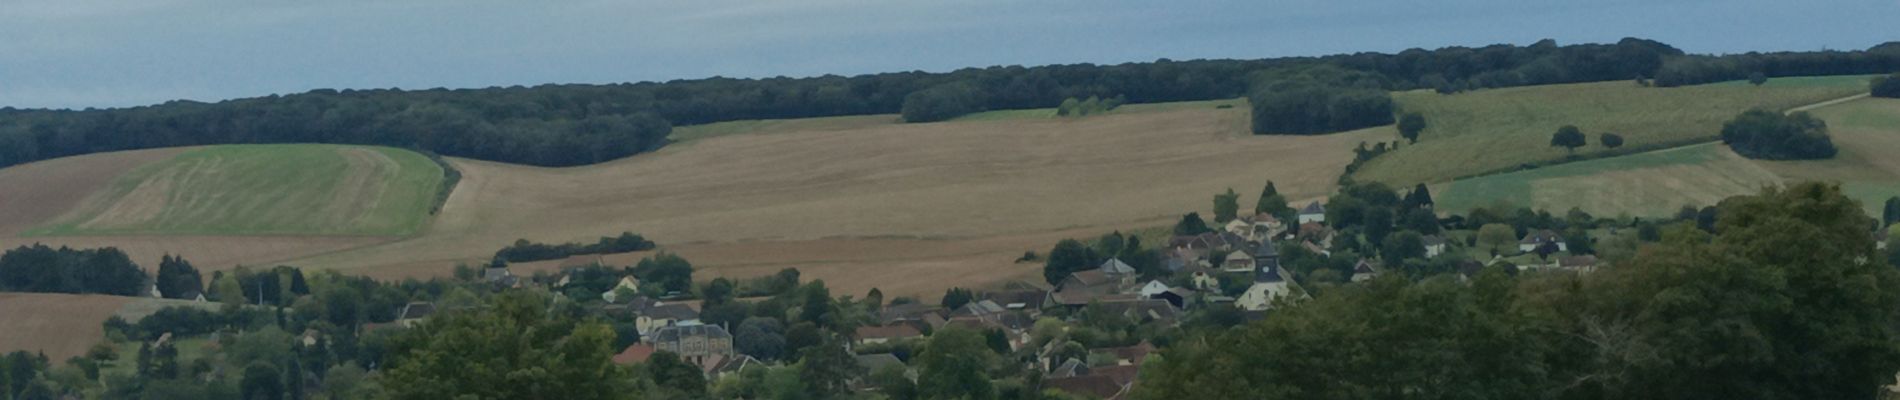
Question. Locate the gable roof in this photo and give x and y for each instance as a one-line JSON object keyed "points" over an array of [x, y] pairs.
{"points": [[1541, 236], [1434, 240], [874, 362], [1115, 266], [672, 311], [898, 331], [1577, 261], [1315, 230], [416, 310], [1133, 353], [1313, 208], [678, 332], [1018, 299], [1365, 266], [637, 353], [1087, 278], [1098, 386]]}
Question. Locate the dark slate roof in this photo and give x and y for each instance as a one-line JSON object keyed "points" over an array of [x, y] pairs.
{"points": [[674, 311], [416, 310], [1313, 208], [676, 333], [1541, 236], [1029, 299]]}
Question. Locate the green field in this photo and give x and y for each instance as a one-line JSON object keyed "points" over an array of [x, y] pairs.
{"points": [[1647, 184], [1491, 131], [1848, 81], [1657, 183], [294, 189]]}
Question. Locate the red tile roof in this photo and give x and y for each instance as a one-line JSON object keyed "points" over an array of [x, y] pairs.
{"points": [[637, 353]]}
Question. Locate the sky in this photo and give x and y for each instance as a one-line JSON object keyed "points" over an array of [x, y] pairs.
{"points": [[118, 53]]}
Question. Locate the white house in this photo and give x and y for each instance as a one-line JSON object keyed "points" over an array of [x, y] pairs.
{"points": [[1434, 246], [1268, 285], [1538, 238], [1364, 271], [1313, 212], [1153, 288]]}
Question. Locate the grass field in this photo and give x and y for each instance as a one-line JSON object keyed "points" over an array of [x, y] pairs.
{"points": [[1657, 183], [1846, 81], [691, 133], [1645, 185], [1497, 130], [263, 190]]}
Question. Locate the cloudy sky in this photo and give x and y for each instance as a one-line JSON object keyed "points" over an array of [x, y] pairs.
{"points": [[99, 53]]}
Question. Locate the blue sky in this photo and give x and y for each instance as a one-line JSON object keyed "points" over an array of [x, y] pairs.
{"points": [[99, 53]]}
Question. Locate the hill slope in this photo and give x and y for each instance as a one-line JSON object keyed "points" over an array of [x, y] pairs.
{"points": [[264, 189], [1497, 130]]}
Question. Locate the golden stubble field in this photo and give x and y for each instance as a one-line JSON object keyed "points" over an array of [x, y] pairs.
{"points": [[910, 209]]}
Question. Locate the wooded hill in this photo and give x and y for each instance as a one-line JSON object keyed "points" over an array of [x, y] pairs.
{"points": [[563, 125]]}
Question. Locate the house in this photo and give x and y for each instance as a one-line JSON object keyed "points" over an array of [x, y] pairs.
{"points": [[1204, 278], [499, 276], [1312, 213], [652, 318], [635, 354], [628, 283], [1317, 233], [1237, 261], [1144, 310], [881, 334], [912, 312], [1176, 296], [718, 366], [693, 342], [1583, 263], [1116, 268], [1364, 270], [414, 312], [1181, 242], [1435, 245], [1069, 369], [1153, 288], [1309, 246], [1239, 226], [1538, 238], [1269, 284], [1131, 355], [1266, 254], [1029, 301], [310, 337], [1266, 225], [154, 292]]}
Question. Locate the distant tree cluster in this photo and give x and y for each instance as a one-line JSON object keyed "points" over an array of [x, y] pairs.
{"points": [[43, 269], [1769, 135], [562, 125], [525, 251], [1886, 86], [1318, 100]]}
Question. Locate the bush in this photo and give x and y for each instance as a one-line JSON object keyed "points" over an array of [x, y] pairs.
{"points": [[942, 102], [1769, 135], [1887, 86]]}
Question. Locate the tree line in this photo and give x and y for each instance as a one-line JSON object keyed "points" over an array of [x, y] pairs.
{"points": [[563, 125], [43, 269], [524, 251]]}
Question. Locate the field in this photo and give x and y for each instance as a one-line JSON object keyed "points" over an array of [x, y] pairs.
{"points": [[909, 208], [263, 190], [1497, 130], [65, 325], [1657, 183]]}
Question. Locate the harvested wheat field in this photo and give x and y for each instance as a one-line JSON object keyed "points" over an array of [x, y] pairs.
{"points": [[61, 325], [924, 206]]}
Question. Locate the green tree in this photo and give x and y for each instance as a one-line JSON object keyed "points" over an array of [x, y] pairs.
{"points": [[514, 348], [1765, 134], [1423, 221], [671, 271], [1610, 140], [1757, 78], [1410, 125], [1191, 224], [177, 279], [1068, 108], [1402, 246], [1068, 256], [1226, 205], [953, 365], [262, 382], [1569, 138], [827, 368], [956, 297], [1890, 213], [1271, 202], [1377, 224], [676, 376], [1497, 237]]}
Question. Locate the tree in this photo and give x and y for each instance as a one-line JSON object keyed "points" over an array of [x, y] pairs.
{"points": [[760, 337], [262, 382], [1769, 135], [827, 368], [1886, 86], [1578, 242], [676, 376], [942, 102], [1497, 237], [952, 365], [1423, 221], [1066, 258], [177, 279], [514, 348], [1271, 202], [1568, 137], [955, 298], [1610, 140], [673, 273], [1191, 224], [1068, 108], [1757, 78], [1410, 125], [1226, 205], [1890, 214], [1402, 246], [1421, 197], [1377, 224]]}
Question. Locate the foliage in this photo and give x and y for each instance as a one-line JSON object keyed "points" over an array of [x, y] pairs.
{"points": [[1886, 86], [1769, 135], [1271, 201], [953, 365], [1191, 224], [1312, 102], [826, 368], [676, 376], [1066, 258], [759, 337], [177, 279], [671, 271], [1410, 125], [39, 268], [1569, 138], [1610, 140], [1226, 206], [955, 298], [525, 251], [942, 102], [1500, 238], [1757, 78], [513, 349]]}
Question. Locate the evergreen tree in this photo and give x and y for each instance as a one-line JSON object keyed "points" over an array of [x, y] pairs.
{"points": [[1271, 202], [1191, 224], [177, 278], [1226, 206]]}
